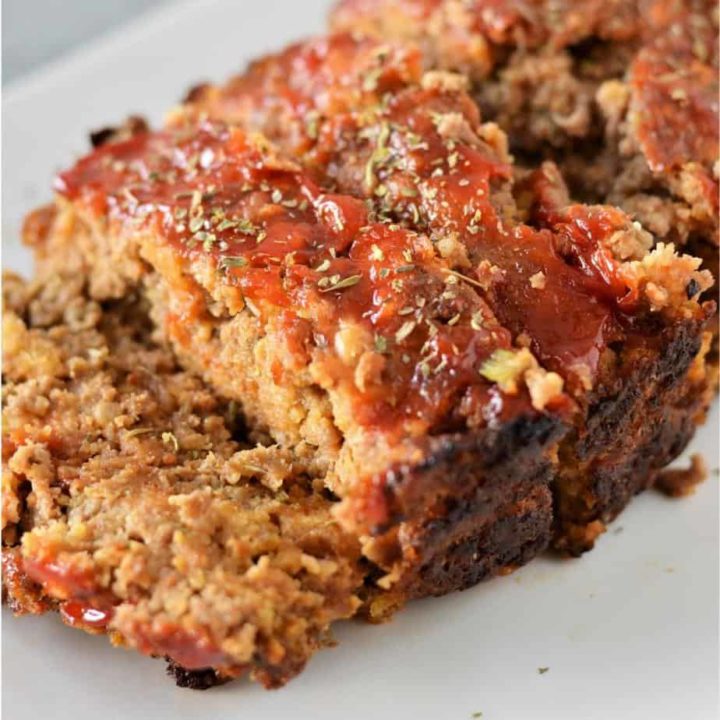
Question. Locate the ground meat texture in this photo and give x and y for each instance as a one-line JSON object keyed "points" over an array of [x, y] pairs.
{"points": [[130, 509], [442, 362], [449, 364], [371, 401]]}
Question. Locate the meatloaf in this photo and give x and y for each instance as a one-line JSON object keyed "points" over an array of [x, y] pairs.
{"points": [[388, 312], [134, 505], [420, 365], [365, 120], [622, 94]]}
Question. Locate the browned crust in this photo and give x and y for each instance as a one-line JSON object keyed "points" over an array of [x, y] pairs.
{"points": [[194, 679], [458, 550], [627, 432], [480, 504], [490, 508], [23, 596], [629, 436], [133, 125]]}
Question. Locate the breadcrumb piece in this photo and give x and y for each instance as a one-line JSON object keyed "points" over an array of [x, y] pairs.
{"points": [[454, 126], [670, 280], [612, 98], [678, 482], [488, 274], [543, 386], [445, 81], [272, 466], [630, 243], [452, 250], [508, 367]]}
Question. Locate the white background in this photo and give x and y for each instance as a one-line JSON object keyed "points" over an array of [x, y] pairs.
{"points": [[40, 30]]}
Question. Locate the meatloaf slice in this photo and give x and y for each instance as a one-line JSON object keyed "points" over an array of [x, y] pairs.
{"points": [[580, 285], [130, 509], [622, 94], [347, 339]]}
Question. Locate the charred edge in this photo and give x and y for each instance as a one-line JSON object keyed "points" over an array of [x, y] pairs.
{"points": [[456, 558], [491, 507], [616, 471], [195, 93], [484, 453], [194, 679], [664, 375], [21, 594], [131, 127]]}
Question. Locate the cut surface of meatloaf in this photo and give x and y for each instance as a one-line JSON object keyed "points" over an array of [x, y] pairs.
{"points": [[622, 94], [129, 508], [579, 285]]}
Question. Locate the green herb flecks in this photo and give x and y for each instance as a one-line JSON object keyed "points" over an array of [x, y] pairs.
{"points": [[381, 344], [378, 156], [232, 261], [405, 330], [335, 282]]}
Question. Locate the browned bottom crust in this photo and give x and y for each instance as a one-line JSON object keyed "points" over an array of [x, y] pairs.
{"points": [[500, 521]]}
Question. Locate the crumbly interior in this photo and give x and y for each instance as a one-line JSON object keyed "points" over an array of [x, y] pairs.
{"points": [[127, 494]]}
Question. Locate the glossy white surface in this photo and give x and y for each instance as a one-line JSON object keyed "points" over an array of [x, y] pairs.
{"points": [[28, 44], [628, 631]]}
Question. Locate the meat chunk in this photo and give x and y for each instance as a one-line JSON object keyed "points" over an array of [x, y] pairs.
{"points": [[345, 338], [444, 362]]}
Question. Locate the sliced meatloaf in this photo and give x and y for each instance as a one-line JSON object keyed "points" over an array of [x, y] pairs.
{"points": [[129, 507], [318, 346], [348, 340]]}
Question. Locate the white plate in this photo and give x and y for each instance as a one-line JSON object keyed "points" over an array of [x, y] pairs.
{"points": [[628, 631]]}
